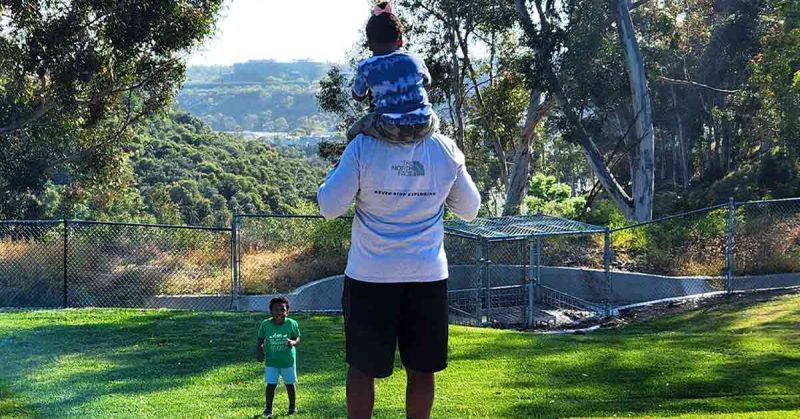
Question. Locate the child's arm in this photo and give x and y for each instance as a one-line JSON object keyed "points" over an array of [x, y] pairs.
{"points": [[260, 350], [360, 87], [296, 334]]}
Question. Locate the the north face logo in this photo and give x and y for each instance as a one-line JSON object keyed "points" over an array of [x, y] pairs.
{"points": [[409, 168]]}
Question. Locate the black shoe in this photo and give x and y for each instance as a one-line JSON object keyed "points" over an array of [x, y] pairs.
{"points": [[267, 414], [291, 411]]}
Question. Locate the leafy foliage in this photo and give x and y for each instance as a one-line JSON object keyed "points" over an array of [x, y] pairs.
{"points": [[75, 76], [181, 172], [551, 197], [181, 165]]}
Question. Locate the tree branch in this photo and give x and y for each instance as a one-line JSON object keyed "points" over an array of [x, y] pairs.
{"points": [[632, 7], [44, 107], [696, 84], [432, 12], [525, 19]]}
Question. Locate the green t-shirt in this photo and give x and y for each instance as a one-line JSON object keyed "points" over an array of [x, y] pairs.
{"points": [[277, 352]]}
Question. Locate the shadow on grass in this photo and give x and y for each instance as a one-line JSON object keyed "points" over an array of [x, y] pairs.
{"points": [[142, 353], [720, 360]]}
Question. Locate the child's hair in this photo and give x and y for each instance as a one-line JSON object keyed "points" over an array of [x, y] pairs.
{"points": [[279, 300], [384, 28]]}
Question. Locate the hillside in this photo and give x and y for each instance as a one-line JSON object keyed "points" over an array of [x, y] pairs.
{"points": [[177, 170], [257, 96], [188, 173]]}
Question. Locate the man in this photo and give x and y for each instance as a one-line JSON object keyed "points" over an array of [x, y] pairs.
{"points": [[395, 289]]}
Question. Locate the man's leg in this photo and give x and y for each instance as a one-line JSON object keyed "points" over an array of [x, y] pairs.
{"points": [[370, 323], [419, 394], [363, 125], [422, 336], [360, 394]]}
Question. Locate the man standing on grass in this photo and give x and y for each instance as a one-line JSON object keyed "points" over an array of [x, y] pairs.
{"points": [[395, 289]]}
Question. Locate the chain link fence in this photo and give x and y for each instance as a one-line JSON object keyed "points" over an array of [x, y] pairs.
{"points": [[283, 254], [507, 279], [572, 281], [465, 288], [32, 264], [672, 257], [94, 264], [135, 265], [766, 245], [524, 270]]}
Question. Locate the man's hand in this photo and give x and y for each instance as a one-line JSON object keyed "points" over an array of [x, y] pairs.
{"points": [[291, 343]]}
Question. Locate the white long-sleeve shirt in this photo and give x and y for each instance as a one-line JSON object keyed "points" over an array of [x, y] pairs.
{"points": [[400, 192]]}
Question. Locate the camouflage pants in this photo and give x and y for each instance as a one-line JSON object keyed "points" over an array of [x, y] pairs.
{"points": [[373, 125]]}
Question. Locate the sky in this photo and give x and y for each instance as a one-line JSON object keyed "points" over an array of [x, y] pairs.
{"points": [[283, 30]]}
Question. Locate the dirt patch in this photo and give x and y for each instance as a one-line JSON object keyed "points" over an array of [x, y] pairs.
{"points": [[650, 312], [658, 310]]}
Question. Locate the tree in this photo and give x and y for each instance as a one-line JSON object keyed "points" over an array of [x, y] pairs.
{"points": [[643, 174], [493, 110], [75, 76], [546, 38]]}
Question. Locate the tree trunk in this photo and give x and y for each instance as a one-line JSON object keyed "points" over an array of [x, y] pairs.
{"points": [[458, 93], [644, 182], [614, 190], [683, 155], [520, 174], [674, 165], [726, 146]]}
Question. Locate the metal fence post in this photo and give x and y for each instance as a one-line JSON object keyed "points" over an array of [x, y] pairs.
{"points": [[64, 267], [729, 246], [609, 286], [235, 260], [487, 276], [532, 276], [481, 293]]}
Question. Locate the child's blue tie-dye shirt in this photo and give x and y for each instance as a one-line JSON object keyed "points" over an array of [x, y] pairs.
{"points": [[397, 81]]}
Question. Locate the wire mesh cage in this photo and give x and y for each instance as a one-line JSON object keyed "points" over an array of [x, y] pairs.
{"points": [[496, 269]]}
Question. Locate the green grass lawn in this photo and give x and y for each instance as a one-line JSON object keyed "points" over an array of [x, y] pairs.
{"points": [[737, 361]]}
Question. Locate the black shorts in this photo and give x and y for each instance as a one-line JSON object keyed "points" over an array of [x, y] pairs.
{"points": [[379, 317]]}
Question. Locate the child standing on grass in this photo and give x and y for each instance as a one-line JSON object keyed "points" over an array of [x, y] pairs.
{"points": [[277, 338], [396, 81]]}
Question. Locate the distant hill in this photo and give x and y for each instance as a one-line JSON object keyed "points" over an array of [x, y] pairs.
{"points": [[262, 95], [187, 173]]}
